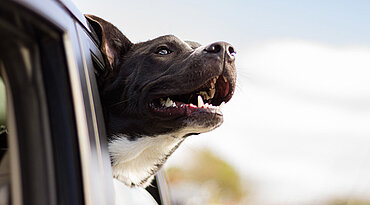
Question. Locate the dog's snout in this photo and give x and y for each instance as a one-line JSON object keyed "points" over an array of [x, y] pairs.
{"points": [[221, 48], [214, 48], [230, 50]]}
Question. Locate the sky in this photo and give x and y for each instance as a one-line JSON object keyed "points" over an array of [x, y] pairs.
{"points": [[240, 22], [298, 126]]}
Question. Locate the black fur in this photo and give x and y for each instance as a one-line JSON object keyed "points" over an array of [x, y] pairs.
{"points": [[138, 74], [139, 77]]}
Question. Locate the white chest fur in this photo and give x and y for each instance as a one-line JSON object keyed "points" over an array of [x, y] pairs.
{"points": [[135, 162]]}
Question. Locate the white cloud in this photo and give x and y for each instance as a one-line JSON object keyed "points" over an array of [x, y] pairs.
{"points": [[312, 67]]}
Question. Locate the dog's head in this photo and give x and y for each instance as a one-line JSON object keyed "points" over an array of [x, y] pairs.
{"points": [[165, 85]]}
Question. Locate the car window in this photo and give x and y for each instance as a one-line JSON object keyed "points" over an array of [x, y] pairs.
{"points": [[51, 122], [41, 130]]}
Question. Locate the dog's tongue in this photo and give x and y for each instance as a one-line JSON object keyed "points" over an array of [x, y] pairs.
{"points": [[223, 87]]}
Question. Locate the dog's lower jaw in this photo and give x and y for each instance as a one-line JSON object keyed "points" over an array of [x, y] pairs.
{"points": [[134, 162]]}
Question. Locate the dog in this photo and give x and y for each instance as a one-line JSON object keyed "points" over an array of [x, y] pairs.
{"points": [[157, 93]]}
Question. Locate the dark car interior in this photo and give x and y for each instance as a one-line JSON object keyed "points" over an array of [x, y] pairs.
{"points": [[51, 122]]}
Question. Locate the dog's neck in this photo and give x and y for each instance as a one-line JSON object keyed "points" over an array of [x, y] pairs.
{"points": [[134, 162]]}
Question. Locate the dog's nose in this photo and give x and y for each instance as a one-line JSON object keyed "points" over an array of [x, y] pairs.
{"points": [[221, 48]]}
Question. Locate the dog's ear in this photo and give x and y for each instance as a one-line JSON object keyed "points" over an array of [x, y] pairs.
{"points": [[112, 42]]}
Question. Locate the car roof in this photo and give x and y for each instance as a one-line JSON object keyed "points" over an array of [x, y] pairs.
{"points": [[74, 11]]}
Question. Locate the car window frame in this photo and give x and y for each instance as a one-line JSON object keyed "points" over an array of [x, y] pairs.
{"points": [[83, 61], [96, 185]]}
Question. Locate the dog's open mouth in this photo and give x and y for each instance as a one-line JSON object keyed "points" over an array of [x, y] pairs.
{"points": [[207, 99]]}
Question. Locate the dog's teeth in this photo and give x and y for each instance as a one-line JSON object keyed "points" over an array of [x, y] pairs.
{"points": [[213, 82], [215, 79], [169, 102], [206, 105], [204, 94], [211, 93], [225, 79], [200, 101], [163, 103]]}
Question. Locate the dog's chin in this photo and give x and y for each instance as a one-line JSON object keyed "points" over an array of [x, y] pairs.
{"points": [[196, 122], [201, 122]]}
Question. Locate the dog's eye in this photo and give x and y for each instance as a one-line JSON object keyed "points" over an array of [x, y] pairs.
{"points": [[163, 50]]}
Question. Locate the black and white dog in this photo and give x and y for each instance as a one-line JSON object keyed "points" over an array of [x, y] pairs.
{"points": [[157, 93]]}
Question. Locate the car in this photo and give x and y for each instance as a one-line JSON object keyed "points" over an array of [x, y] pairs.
{"points": [[54, 130]]}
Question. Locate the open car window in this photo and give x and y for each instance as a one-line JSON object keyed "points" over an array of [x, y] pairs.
{"points": [[55, 140], [52, 130]]}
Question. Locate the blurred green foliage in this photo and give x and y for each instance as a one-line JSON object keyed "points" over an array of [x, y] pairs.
{"points": [[222, 179], [2, 103], [349, 202]]}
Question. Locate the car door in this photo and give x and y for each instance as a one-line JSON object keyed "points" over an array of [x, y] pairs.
{"points": [[56, 140]]}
